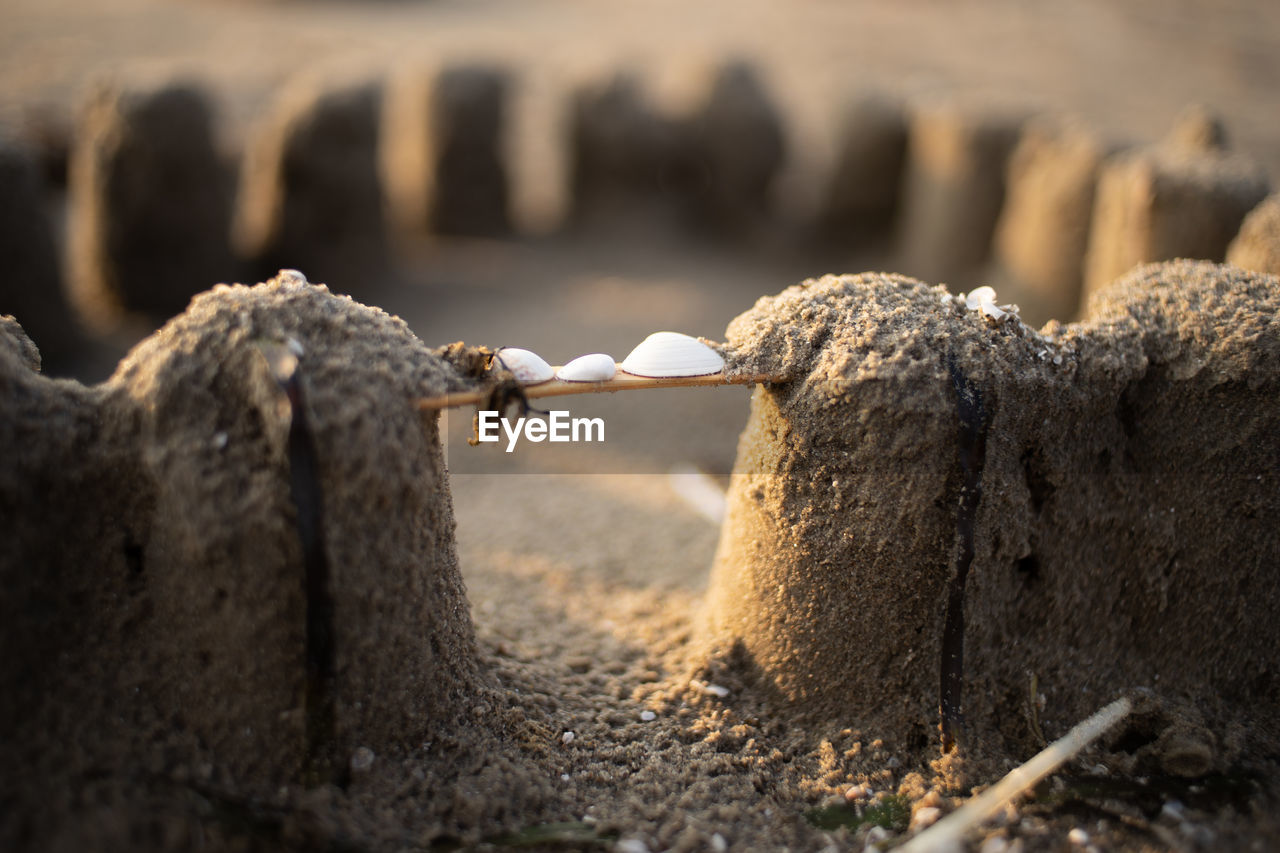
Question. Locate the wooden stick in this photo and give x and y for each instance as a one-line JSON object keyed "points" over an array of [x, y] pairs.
{"points": [[620, 382], [946, 833]]}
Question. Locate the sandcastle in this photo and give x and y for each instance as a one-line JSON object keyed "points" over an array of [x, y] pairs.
{"points": [[444, 169], [861, 203], [334, 167], [151, 200], [932, 504], [32, 285], [1257, 246], [310, 190], [245, 549], [1105, 487], [1169, 201], [953, 186], [233, 573], [1043, 231]]}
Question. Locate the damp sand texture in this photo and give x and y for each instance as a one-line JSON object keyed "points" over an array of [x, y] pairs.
{"points": [[700, 719]]}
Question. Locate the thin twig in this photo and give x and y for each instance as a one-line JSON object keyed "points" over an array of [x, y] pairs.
{"points": [[621, 382], [948, 832]]}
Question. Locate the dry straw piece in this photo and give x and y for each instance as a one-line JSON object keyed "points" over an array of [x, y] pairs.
{"points": [[951, 830]]}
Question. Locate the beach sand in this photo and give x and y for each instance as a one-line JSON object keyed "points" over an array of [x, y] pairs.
{"points": [[590, 597]]}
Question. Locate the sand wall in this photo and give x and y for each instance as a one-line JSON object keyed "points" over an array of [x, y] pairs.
{"points": [[330, 170], [240, 574], [150, 200], [31, 286], [1257, 246], [1105, 489], [310, 194]]}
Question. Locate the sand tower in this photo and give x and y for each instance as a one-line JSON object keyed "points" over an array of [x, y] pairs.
{"points": [[150, 200], [938, 506], [235, 566], [1257, 246], [310, 191], [445, 170]]}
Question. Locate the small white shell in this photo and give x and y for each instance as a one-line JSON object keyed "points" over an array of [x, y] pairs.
{"points": [[979, 295], [529, 368], [983, 300], [991, 310], [672, 354], [596, 367]]}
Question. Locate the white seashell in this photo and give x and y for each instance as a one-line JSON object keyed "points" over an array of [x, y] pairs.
{"points": [[980, 295], [529, 368], [991, 310], [597, 367], [672, 354]]}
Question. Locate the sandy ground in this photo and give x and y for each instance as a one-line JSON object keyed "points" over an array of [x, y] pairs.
{"points": [[596, 573]]}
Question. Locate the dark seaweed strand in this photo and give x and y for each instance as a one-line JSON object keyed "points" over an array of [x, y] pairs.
{"points": [[501, 397], [973, 421], [304, 487]]}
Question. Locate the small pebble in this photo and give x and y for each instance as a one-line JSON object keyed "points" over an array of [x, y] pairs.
{"points": [[567, 737], [1078, 837], [361, 759], [648, 716], [716, 690], [718, 844], [631, 845], [994, 844], [564, 777], [926, 816], [857, 792]]}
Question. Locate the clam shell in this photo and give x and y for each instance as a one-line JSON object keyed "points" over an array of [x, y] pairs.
{"points": [[672, 354], [980, 295], [596, 367], [528, 367]]}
